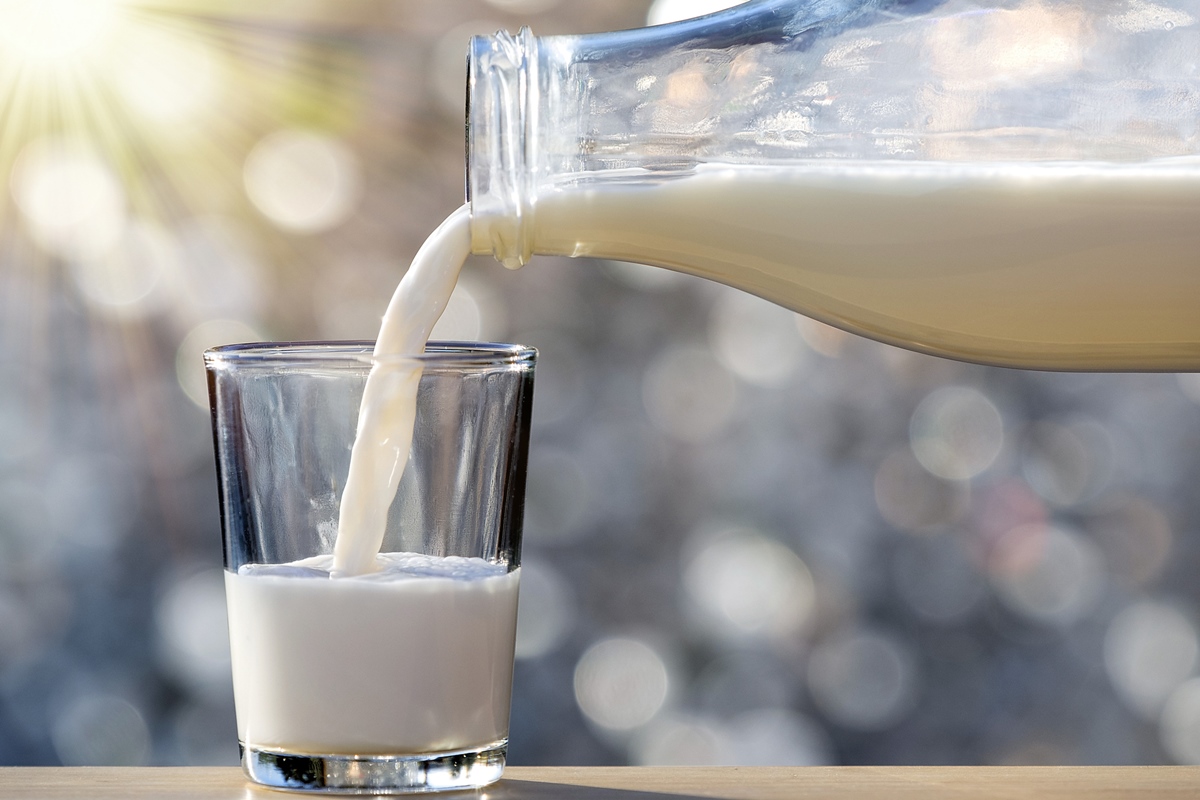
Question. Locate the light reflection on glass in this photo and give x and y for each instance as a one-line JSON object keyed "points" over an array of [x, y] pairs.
{"points": [[664, 11]]}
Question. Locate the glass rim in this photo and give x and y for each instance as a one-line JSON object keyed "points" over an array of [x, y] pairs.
{"points": [[360, 353]]}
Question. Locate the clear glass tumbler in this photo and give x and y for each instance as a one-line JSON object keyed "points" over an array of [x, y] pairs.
{"points": [[398, 680]]}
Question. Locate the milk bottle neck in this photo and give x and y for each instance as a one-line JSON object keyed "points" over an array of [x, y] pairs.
{"points": [[560, 111], [502, 136]]}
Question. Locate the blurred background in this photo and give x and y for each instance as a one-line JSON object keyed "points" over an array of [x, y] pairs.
{"points": [[750, 538]]}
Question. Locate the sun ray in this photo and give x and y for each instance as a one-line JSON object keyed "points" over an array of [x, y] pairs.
{"points": [[126, 127]]}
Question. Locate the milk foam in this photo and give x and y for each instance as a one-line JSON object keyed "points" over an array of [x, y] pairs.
{"points": [[387, 567]]}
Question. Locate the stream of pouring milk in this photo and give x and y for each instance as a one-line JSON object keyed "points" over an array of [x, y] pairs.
{"points": [[389, 404]]}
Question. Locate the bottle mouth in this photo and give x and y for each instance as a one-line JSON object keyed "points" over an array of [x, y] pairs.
{"points": [[499, 135]]}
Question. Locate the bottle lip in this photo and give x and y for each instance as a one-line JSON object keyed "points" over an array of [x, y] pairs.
{"points": [[500, 133]]}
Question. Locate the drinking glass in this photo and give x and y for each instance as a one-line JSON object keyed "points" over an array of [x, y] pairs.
{"points": [[399, 680]]}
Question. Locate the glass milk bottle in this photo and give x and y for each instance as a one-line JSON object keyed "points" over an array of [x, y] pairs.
{"points": [[1011, 182]]}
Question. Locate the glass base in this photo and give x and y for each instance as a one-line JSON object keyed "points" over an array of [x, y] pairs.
{"points": [[433, 772]]}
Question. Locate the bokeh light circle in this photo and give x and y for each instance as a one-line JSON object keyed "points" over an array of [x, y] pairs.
{"points": [[1189, 384], [1179, 725], [746, 584], [863, 680], [621, 683], [776, 737], [69, 197], [1047, 573], [547, 610], [1150, 648], [303, 181], [100, 729], [956, 432], [688, 394], [189, 358], [136, 276], [756, 340], [913, 499], [680, 740], [1066, 463], [824, 339], [193, 632]]}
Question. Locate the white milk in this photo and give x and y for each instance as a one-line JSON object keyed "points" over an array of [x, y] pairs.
{"points": [[415, 657], [1037, 265]]}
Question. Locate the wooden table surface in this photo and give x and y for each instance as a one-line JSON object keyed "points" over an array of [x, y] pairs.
{"points": [[644, 783]]}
